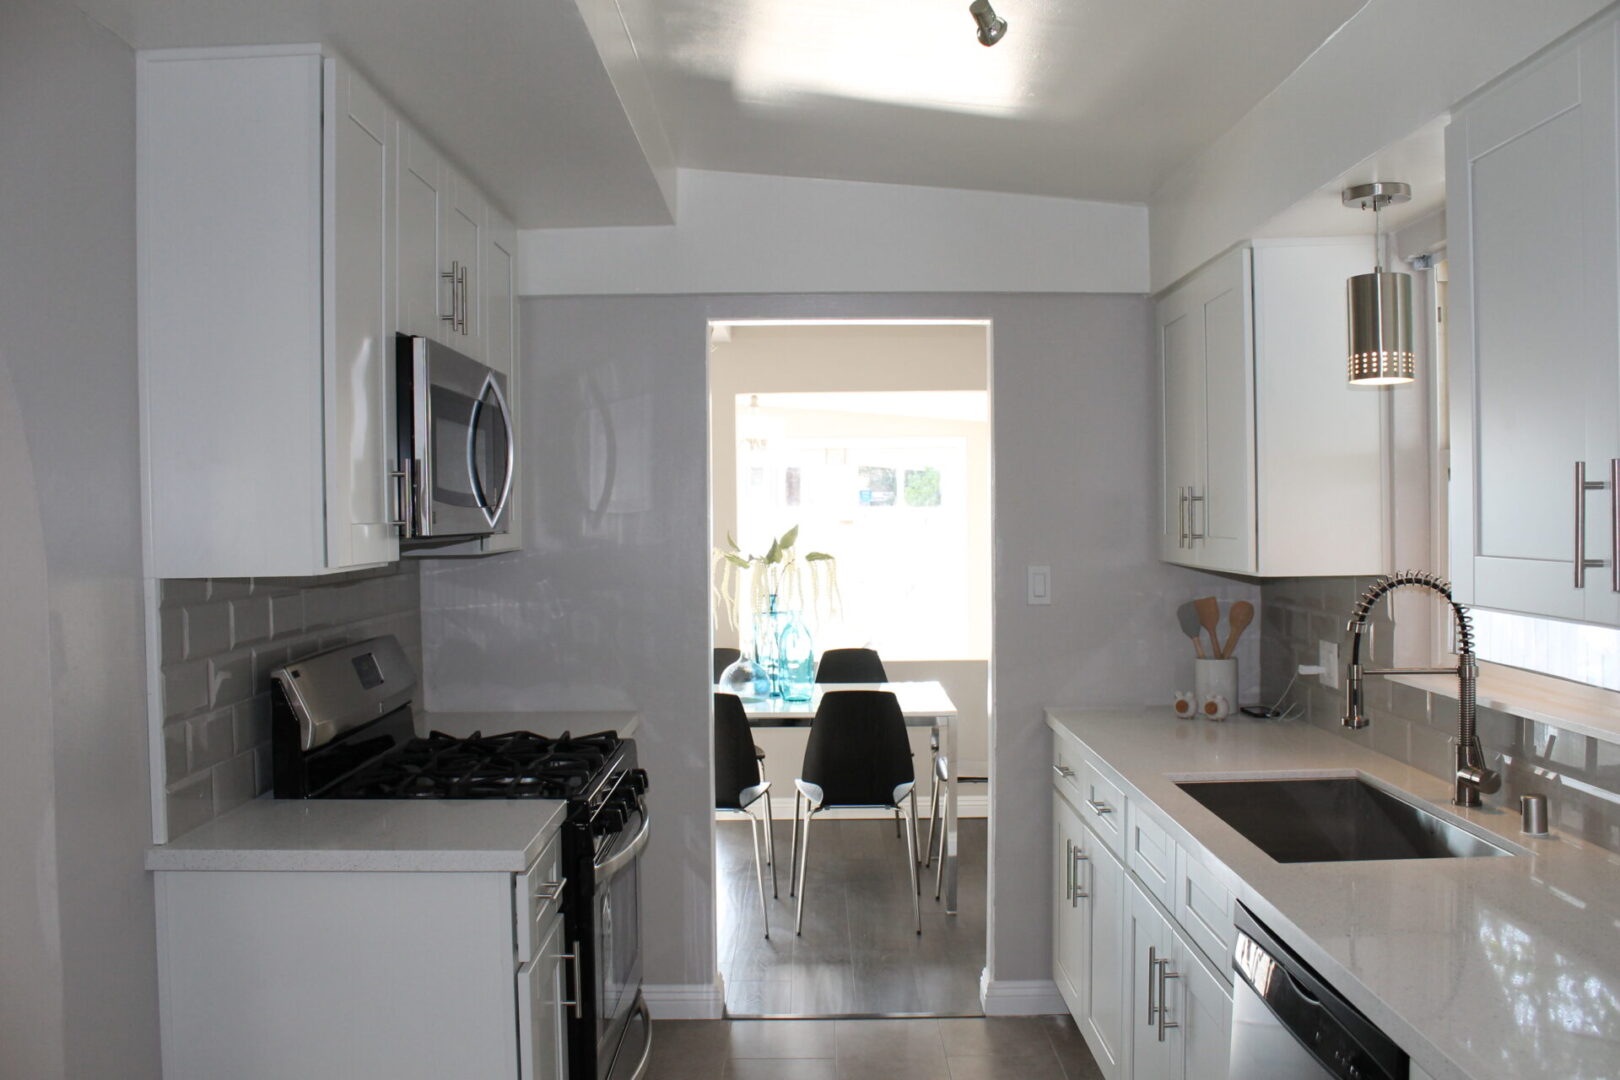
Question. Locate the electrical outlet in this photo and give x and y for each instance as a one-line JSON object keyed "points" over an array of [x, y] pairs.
{"points": [[1327, 654]]}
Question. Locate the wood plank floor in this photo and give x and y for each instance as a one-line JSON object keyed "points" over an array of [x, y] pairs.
{"points": [[859, 954], [997, 1048]]}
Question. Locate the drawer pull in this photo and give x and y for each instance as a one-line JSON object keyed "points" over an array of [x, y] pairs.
{"points": [[553, 889], [1077, 894], [579, 991], [1099, 807], [1165, 974], [1064, 771]]}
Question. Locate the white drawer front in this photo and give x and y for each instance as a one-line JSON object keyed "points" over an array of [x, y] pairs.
{"points": [[542, 1025], [1102, 806], [1150, 853], [1203, 907], [539, 896], [1067, 761]]}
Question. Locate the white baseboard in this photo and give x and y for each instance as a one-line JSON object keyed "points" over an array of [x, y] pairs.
{"points": [[686, 1001], [968, 806], [1020, 997]]}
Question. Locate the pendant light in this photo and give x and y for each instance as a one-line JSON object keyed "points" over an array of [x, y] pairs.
{"points": [[1379, 304]]}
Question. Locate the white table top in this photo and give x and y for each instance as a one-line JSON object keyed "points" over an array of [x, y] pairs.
{"points": [[918, 701]]}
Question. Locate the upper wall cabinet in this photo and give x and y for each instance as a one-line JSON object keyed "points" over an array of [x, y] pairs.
{"points": [[1531, 190], [263, 184], [289, 224], [1271, 465]]}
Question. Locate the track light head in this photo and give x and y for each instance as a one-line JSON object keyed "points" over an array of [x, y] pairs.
{"points": [[992, 27]]}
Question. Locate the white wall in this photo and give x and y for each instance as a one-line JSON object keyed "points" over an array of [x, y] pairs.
{"points": [[1395, 66], [608, 607], [737, 233], [78, 978]]}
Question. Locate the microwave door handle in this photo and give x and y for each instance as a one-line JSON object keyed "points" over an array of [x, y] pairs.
{"points": [[491, 389], [511, 452], [474, 476]]}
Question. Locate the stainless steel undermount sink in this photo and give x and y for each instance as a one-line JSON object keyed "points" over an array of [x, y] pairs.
{"points": [[1333, 819]]}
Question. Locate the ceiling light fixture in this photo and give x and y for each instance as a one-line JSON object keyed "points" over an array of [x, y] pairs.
{"points": [[1380, 303], [992, 27]]}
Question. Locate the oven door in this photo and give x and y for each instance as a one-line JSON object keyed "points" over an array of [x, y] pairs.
{"points": [[622, 1034], [462, 449]]}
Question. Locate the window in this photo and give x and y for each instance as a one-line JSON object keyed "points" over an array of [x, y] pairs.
{"points": [[897, 493]]}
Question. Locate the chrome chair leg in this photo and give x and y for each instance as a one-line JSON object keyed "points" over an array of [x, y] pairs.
{"points": [[911, 865], [793, 865], [770, 845], [934, 814], [939, 867], [804, 859], [759, 871], [915, 831], [897, 823]]}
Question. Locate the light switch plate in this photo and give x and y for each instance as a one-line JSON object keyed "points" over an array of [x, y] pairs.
{"points": [[1040, 585], [1327, 653]]}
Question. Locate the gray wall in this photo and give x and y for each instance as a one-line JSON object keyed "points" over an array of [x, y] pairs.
{"points": [[1580, 776], [221, 639], [607, 606], [78, 987]]}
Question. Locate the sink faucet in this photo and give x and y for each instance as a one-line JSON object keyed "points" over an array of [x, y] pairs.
{"points": [[1471, 777]]}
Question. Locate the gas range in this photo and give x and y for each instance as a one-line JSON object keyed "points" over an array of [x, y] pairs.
{"points": [[342, 727]]}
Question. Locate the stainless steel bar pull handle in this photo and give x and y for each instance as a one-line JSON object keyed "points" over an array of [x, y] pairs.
{"points": [[1077, 894], [1165, 974], [1181, 520], [1064, 771], [1153, 964], [1068, 880], [450, 275], [461, 293], [1582, 486], [1614, 524], [579, 984], [1098, 807], [1192, 534]]}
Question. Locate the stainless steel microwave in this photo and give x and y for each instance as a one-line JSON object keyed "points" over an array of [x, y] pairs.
{"points": [[456, 446]]}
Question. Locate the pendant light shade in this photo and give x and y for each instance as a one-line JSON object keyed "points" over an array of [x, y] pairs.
{"points": [[1379, 304], [1380, 319]]}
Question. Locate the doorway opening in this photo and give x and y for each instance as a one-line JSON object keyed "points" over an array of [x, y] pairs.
{"points": [[850, 480]]}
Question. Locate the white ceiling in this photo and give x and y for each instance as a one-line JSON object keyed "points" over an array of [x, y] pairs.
{"points": [[1096, 99], [574, 112]]}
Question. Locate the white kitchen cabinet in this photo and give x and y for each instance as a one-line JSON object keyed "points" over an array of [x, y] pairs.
{"points": [[1270, 464], [1531, 190], [461, 230], [1087, 955], [266, 975], [1068, 943], [1181, 1012], [422, 201], [498, 309], [266, 382]]}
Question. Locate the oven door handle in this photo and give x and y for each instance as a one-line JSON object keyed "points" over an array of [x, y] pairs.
{"points": [[609, 869]]}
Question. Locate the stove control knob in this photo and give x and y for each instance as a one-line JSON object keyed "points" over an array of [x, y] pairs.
{"points": [[637, 780]]}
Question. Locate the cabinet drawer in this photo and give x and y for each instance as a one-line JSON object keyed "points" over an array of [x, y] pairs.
{"points": [[1102, 806], [1203, 907], [539, 896], [1150, 853], [1067, 761]]}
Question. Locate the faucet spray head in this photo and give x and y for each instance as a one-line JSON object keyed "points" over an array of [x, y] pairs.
{"points": [[1353, 716]]}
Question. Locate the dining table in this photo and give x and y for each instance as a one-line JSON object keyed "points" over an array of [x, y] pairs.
{"points": [[923, 704]]}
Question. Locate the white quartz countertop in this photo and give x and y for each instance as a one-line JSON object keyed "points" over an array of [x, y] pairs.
{"points": [[1485, 969], [428, 835]]}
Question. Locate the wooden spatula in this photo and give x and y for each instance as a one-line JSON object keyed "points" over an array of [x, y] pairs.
{"points": [[1188, 615], [1238, 618], [1209, 617]]}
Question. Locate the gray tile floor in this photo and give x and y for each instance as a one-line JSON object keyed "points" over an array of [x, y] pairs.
{"points": [[860, 953], [999, 1048]]}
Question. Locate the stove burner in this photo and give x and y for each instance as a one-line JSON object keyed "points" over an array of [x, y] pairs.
{"points": [[516, 765]]}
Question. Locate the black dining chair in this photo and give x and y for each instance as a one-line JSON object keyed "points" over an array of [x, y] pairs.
{"points": [[857, 756], [738, 785], [850, 665]]}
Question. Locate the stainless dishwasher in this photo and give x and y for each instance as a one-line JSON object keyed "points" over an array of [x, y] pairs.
{"points": [[1287, 1024]]}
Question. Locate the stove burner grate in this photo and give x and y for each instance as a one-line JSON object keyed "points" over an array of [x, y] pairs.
{"points": [[514, 765]]}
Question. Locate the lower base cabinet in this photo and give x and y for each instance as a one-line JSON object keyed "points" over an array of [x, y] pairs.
{"points": [[1149, 1003]]}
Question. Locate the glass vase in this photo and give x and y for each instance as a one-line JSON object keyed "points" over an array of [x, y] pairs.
{"points": [[796, 660]]}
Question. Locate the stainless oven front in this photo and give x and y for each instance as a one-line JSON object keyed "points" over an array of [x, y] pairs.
{"points": [[457, 448]]}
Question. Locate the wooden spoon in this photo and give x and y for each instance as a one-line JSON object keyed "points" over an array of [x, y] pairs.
{"points": [[1209, 617], [1188, 615], [1238, 618]]}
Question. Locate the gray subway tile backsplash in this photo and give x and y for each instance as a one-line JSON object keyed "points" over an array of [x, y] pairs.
{"points": [[1580, 776], [222, 638]]}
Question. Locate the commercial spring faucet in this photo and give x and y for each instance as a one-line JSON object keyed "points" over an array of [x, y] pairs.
{"points": [[1471, 777]]}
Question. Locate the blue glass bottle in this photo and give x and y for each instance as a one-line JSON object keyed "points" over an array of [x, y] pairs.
{"points": [[796, 659]]}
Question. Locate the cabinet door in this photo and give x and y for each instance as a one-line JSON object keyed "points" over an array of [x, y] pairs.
{"points": [[1102, 877], [497, 278], [1531, 190], [422, 295], [1206, 371], [1200, 1004], [542, 1025], [462, 232], [1147, 938], [358, 377], [1070, 946]]}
